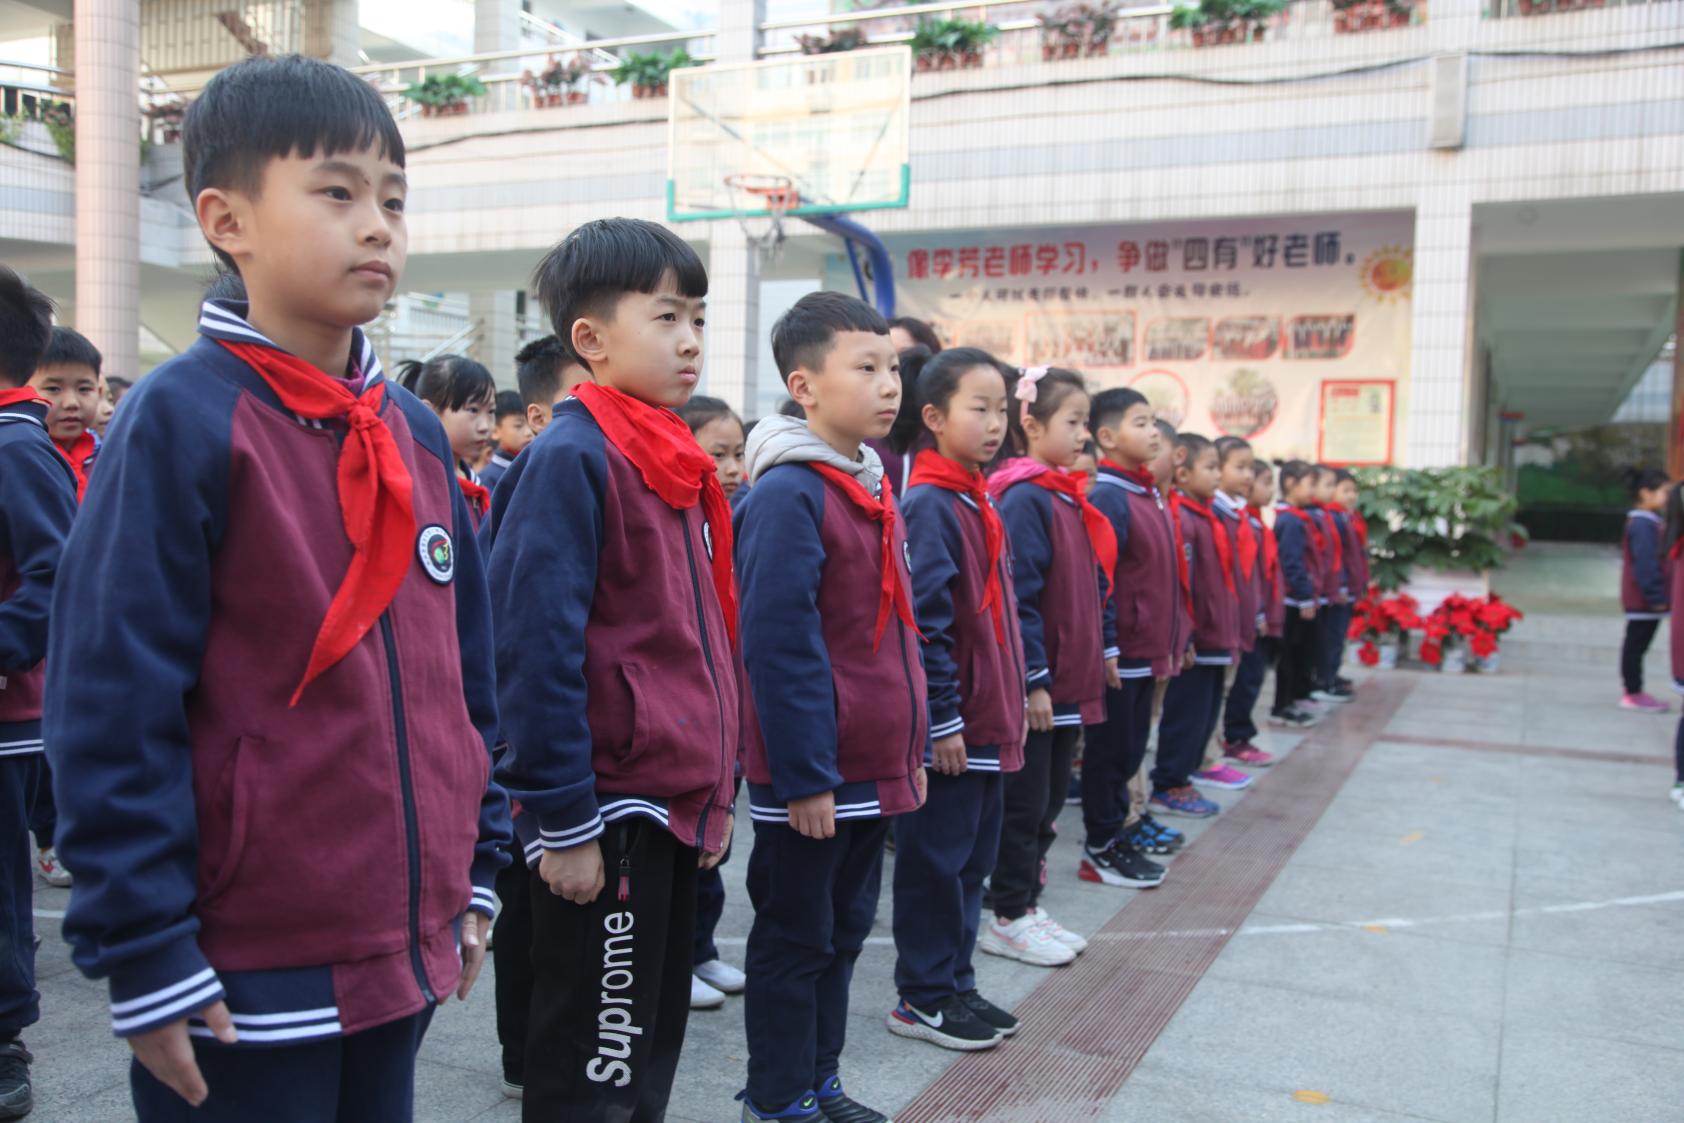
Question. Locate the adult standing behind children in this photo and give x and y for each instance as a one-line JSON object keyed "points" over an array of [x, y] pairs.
{"points": [[37, 505], [616, 623], [284, 839], [831, 647]]}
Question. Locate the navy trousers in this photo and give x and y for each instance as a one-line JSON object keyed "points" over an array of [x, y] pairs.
{"points": [[814, 904], [511, 954], [1034, 797], [1191, 706], [20, 1004], [1238, 725], [1115, 750], [366, 1076], [943, 851], [1332, 623], [710, 906]]}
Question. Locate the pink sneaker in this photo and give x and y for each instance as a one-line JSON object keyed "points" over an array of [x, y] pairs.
{"points": [[1644, 703], [1248, 754], [1222, 776]]}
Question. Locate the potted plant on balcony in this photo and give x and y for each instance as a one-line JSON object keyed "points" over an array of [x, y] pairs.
{"points": [[1216, 23], [557, 83], [444, 95], [1352, 16], [168, 115], [843, 39], [951, 44], [647, 74], [1078, 30]]}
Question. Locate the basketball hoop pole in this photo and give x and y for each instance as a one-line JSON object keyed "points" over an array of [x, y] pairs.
{"points": [[882, 268]]}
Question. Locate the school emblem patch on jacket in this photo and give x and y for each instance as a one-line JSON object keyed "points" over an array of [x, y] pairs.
{"points": [[437, 553]]}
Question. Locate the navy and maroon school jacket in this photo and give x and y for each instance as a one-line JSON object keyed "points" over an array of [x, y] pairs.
{"points": [[1146, 589], [1247, 583], [308, 863], [1331, 583], [1272, 591], [1060, 601], [976, 681], [37, 506], [1301, 567], [1674, 580], [833, 714], [1357, 574], [1216, 625], [1644, 587], [615, 676]]}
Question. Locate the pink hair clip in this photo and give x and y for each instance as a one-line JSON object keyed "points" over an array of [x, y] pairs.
{"points": [[1027, 388]]}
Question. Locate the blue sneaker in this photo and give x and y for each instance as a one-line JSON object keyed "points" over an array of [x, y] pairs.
{"points": [[1167, 836], [838, 1108], [1143, 838], [803, 1110], [1184, 801]]}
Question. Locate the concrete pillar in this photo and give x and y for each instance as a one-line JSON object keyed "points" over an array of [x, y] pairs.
{"points": [[733, 358], [331, 31], [496, 26], [1440, 374], [498, 338], [107, 35]]}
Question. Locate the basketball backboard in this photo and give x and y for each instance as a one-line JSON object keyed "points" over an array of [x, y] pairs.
{"points": [[833, 128]]}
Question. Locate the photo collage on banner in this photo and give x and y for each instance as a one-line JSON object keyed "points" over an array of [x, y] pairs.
{"points": [[1291, 332]]}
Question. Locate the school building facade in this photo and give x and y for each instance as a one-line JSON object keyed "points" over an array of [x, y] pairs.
{"points": [[1395, 230]]}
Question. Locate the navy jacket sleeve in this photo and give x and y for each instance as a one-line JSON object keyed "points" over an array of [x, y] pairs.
{"points": [[479, 690], [1645, 536], [1114, 505], [1027, 513], [546, 539], [1291, 538], [131, 612], [37, 506], [933, 536], [780, 560]]}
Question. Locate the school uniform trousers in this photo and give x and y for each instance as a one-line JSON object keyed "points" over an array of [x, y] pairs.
{"points": [[1033, 797], [1116, 748], [943, 851], [1191, 705], [1332, 623], [20, 1004], [1238, 723], [511, 952], [1297, 660]]}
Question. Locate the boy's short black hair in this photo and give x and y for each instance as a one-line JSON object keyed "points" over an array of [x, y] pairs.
{"points": [[1192, 444], [1294, 470], [588, 271], [118, 385], [701, 411], [1344, 476], [509, 404], [538, 368], [804, 335], [271, 106], [919, 330], [1165, 428], [227, 287], [789, 407], [1226, 446], [1110, 405], [67, 347], [26, 323]]}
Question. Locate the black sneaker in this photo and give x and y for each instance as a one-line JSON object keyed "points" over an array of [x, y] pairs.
{"points": [[1293, 718], [1169, 836], [1120, 864], [953, 1026], [17, 1097], [1146, 840], [1343, 683], [838, 1108], [988, 1013]]}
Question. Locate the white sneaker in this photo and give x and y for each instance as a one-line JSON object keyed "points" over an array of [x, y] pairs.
{"points": [[1678, 794], [51, 869], [1025, 940], [703, 996], [1059, 932], [721, 976]]}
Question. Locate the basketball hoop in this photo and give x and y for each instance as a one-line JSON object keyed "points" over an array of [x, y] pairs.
{"points": [[754, 195]]}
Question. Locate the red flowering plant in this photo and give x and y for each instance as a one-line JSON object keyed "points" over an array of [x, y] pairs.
{"points": [[1477, 621], [1377, 619]]}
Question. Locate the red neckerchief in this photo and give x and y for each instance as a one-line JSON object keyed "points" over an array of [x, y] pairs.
{"points": [[1101, 535], [1334, 537], [1271, 549], [375, 497], [479, 499], [931, 467], [1358, 523], [1224, 551], [673, 466], [1310, 524], [21, 394], [896, 596], [77, 457], [1247, 540], [1141, 476], [1183, 564]]}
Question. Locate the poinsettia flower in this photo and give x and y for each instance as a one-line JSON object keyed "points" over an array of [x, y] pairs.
{"points": [[1369, 654], [1431, 654]]}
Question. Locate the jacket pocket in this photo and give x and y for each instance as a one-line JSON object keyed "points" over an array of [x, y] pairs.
{"points": [[675, 726], [236, 792]]}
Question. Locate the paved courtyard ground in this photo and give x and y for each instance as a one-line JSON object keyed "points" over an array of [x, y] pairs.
{"points": [[1461, 900]]}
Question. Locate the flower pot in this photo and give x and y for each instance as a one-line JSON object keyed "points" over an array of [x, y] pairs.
{"points": [[970, 60], [644, 93], [1388, 655], [1455, 661], [1198, 37], [577, 97], [1489, 664]]}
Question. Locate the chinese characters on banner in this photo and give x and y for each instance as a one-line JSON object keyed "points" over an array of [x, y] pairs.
{"points": [[1229, 327]]}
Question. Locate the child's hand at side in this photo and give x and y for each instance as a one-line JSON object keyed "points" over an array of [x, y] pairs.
{"points": [[711, 858], [1112, 678], [167, 1052], [949, 755], [815, 816], [574, 873], [1308, 612], [474, 927], [1188, 658], [1040, 711]]}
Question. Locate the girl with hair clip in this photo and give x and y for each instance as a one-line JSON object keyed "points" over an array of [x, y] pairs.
{"points": [[1674, 543], [1644, 585], [1064, 551], [464, 396]]}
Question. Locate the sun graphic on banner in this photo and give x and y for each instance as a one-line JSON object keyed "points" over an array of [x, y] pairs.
{"points": [[1388, 273]]}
